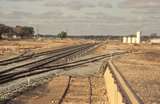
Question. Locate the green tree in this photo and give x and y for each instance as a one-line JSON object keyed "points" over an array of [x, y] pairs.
{"points": [[24, 31], [153, 35], [62, 35], [5, 29]]}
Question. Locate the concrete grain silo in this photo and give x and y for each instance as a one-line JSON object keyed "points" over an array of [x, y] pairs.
{"points": [[133, 40], [138, 36], [129, 39], [124, 39]]}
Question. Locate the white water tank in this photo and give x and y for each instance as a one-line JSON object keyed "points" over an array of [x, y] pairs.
{"points": [[124, 39], [138, 40], [129, 39]]}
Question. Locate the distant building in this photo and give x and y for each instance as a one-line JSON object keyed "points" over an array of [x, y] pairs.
{"points": [[132, 38], [10, 36], [155, 41], [129, 39], [124, 39]]}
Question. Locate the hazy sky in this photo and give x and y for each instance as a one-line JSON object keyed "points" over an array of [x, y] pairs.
{"points": [[77, 17]]}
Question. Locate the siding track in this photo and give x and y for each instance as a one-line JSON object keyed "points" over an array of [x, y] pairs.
{"points": [[78, 91]]}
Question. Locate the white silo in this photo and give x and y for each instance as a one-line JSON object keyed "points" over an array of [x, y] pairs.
{"points": [[124, 39], [138, 39], [129, 39], [133, 39]]}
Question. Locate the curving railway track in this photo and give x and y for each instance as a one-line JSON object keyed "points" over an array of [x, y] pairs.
{"points": [[79, 90], [14, 72], [9, 76], [24, 57], [47, 58], [75, 89]]}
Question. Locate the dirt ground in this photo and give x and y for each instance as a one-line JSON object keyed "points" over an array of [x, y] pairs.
{"points": [[140, 68], [45, 94], [15, 47]]}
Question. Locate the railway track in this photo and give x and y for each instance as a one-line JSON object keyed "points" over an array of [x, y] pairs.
{"points": [[68, 90], [77, 91], [47, 59], [72, 92], [7, 77], [82, 90], [24, 57], [37, 64]]}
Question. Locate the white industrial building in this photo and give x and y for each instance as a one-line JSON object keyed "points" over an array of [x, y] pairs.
{"points": [[132, 39], [155, 41]]}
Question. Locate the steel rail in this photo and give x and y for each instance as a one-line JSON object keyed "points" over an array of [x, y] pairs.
{"points": [[91, 59], [10, 77], [15, 57], [44, 61], [65, 91], [23, 58], [32, 69], [64, 95], [90, 90]]}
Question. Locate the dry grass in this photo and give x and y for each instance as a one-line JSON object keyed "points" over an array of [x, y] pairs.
{"points": [[15, 47], [140, 68]]}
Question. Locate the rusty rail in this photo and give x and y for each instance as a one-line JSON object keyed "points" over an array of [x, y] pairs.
{"points": [[90, 90], [65, 92]]}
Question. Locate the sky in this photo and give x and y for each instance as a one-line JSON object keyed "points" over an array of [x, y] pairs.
{"points": [[83, 17]]}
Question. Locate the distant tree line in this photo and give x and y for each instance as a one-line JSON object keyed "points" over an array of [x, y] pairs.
{"points": [[96, 37], [62, 34], [18, 31], [93, 37], [102, 37]]}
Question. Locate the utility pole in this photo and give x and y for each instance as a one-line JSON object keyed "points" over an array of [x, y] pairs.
{"points": [[37, 32]]}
